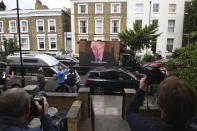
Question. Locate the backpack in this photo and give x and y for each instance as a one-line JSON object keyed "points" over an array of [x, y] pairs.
{"points": [[71, 79]]}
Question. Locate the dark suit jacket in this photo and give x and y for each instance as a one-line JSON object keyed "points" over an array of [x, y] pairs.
{"points": [[88, 59]]}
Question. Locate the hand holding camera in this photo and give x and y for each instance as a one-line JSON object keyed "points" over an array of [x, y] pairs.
{"points": [[42, 107]]}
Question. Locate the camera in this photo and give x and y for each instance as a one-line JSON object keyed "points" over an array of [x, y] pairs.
{"points": [[154, 75], [34, 111]]}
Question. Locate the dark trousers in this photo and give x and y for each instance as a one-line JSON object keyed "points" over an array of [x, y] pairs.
{"points": [[61, 88]]}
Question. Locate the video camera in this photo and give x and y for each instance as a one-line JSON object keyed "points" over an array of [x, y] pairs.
{"points": [[154, 75], [34, 111]]}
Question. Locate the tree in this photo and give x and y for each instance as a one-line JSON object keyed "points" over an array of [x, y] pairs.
{"points": [[139, 38], [190, 21], [187, 57], [2, 5], [10, 46]]}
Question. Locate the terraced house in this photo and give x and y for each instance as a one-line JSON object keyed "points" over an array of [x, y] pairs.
{"points": [[103, 19], [42, 30], [97, 20]]}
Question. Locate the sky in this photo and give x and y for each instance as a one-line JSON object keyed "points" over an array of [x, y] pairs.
{"points": [[30, 4]]}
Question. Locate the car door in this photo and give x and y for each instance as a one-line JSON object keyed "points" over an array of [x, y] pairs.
{"points": [[124, 80]]}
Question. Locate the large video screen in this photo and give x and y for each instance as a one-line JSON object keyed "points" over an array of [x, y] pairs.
{"points": [[98, 53]]}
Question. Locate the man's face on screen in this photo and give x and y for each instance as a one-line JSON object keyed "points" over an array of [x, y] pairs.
{"points": [[98, 50]]}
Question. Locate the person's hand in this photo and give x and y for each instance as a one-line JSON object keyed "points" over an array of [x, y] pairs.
{"points": [[46, 105], [164, 71], [143, 85]]}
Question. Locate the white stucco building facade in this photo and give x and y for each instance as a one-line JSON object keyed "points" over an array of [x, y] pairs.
{"points": [[170, 17]]}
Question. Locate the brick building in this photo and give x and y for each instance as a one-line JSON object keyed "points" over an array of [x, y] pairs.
{"points": [[42, 29], [97, 20]]}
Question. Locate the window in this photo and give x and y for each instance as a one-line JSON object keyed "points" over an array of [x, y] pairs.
{"points": [[115, 26], [12, 26], [25, 43], [99, 27], [83, 27], [52, 43], [172, 8], [24, 26], [170, 43], [99, 8], [171, 26], [155, 8], [139, 8], [41, 42], [8, 37], [155, 21], [115, 8], [139, 21], [51, 25], [83, 9], [1, 27], [40, 25], [114, 39]]}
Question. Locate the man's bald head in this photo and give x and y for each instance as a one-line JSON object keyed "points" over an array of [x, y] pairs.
{"points": [[14, 102]]}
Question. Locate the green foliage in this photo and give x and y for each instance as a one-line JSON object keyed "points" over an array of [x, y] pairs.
{"points": [[2, 5], [148, 58], [190, 21], [139, 38], [10, 46], [187, 57]]}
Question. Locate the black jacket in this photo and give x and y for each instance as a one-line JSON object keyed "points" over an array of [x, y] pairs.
{"points": [[13, 124], [88, 59]]}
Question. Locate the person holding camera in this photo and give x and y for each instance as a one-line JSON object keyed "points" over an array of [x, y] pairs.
{"points": [[177, 104], [15, 112]]}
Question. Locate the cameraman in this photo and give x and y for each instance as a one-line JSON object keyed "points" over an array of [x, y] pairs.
{"points": [[15, 115], [176, 102]]}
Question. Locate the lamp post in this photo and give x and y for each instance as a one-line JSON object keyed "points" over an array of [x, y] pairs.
{"points": [[149, 12], [19, 37]]}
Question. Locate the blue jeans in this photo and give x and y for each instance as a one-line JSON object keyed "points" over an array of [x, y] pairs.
{"points": [[73, 89]]}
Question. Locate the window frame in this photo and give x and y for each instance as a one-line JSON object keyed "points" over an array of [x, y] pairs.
{"points": [[52, 36], [37, 27], [79, 9], [98, 27], [21, 26], [170, 44], [49, 25], [96, 12], [139, 12], [38, 44], [173, 27], [28, 44], [111, 30], [155, 8], [170, 4], [85, 26], [112, 8], [139, 20], [10, 28], [2, 28]]}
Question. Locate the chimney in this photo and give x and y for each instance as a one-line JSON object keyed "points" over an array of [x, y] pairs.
{"points": [[39, 6]]}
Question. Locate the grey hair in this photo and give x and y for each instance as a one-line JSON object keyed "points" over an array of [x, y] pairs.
{"points": [[14, 102]]}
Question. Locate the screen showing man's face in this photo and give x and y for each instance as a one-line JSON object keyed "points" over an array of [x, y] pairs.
{"points": [[98, 50]]}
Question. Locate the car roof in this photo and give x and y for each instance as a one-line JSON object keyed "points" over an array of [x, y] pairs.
{"points": [[43, 58]]}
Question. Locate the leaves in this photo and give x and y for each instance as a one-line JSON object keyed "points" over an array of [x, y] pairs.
{"points": [[187, 57], [10, 46], [139, 38]]}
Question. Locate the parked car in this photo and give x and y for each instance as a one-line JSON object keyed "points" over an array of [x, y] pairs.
{"points": [[67, 60], [110, 81], [164, 62], [3, 66]]}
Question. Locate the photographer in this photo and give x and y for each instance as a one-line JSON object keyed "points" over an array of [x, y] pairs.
{"points": [[15, 112], [176, 102]]}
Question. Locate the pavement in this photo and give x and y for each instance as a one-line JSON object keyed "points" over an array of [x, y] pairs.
{"points": [[107, 115]]}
